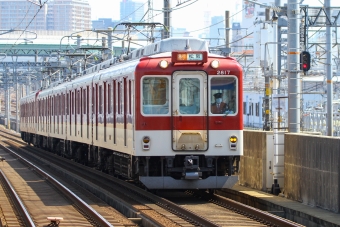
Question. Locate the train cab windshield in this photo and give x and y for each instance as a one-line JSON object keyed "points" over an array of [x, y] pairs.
{"points": [[223, 95]]}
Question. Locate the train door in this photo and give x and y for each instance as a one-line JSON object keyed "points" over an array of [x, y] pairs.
{"points": [[189, 111]]}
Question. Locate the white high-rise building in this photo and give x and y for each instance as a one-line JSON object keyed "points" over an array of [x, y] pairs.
{"points": [[70, 15]]}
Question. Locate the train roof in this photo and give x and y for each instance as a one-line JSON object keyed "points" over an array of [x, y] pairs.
{"points": [[171, 44], [162, 46]]}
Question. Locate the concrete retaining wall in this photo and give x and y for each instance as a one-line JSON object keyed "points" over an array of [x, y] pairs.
{"points": [[312, 170], [252, 171], [311, 167]]}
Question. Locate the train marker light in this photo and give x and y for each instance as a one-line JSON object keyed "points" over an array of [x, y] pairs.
{"points": [[164, 64], [232, 142], [305, 60], [215, 64], [146, 143]]}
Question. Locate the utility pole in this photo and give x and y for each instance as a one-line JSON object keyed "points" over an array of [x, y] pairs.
{"points": [[293, 53], [268, 88], [167, 19], [278, 32], [150, 19], [329, 70], [227, 25]]}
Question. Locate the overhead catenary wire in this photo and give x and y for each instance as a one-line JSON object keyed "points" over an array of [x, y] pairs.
{"points": [[218, 22]]}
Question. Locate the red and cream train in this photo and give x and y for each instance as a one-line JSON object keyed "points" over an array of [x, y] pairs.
{"points": [[148, 117]]}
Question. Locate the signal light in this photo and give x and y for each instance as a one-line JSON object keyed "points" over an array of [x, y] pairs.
{"points": [[305, 61]]}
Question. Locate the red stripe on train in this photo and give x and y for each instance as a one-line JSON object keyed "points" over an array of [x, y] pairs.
{"points": [[189, 123]]}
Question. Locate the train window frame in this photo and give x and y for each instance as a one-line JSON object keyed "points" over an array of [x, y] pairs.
{"points": [[154, 109], [229, 95]]}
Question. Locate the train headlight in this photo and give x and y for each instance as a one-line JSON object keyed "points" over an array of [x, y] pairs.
{"points": [[146, 143], [164, 64], [215, 64], [232, 142]]}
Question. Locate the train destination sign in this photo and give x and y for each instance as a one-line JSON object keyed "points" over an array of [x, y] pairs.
{"points": [[186, 56]]}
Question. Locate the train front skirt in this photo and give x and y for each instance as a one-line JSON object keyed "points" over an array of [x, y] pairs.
{"points": [[212, 182]]}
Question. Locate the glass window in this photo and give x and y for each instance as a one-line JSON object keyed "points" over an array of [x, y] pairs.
{"points": [[189, 96], [155, 95], [223, 95], [100, 100], [109, 98]]}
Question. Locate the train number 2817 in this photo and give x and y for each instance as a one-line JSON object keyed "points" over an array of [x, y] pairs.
{"points": [[223, 72]]}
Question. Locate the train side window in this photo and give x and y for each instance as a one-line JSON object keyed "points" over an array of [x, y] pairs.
{"points": [[74, 102], [78, 102], [93, 98], [100, 101], [109, 98], [83, 101], [155, 95], [68, 103], [57, 106], [119, 95], [223, 95], [52, 106], [130, 98]]}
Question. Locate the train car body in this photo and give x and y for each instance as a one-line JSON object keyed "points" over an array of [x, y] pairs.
{"points": [[152, 118]]}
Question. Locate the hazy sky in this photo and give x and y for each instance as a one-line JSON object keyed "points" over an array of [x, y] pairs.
{"points": [[182, 17], [189, 15]]}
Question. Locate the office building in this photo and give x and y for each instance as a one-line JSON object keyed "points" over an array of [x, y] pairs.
{"points": [[56, 15], [132, 11], [71, 15], [21, 15]]}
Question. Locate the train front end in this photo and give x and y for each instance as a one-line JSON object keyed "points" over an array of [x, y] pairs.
{"points": [[189, 126]]}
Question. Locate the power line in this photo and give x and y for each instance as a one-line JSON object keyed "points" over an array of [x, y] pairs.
{"points": [[27, 26], [23, 17], [217, 22]]}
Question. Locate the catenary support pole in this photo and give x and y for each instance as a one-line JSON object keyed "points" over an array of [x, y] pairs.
{"points": [[294, 83], [329, 70]]}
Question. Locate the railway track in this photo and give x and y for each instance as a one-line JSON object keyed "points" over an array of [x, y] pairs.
{"points": [[12, 204], [41, 197], [179, 209]]}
